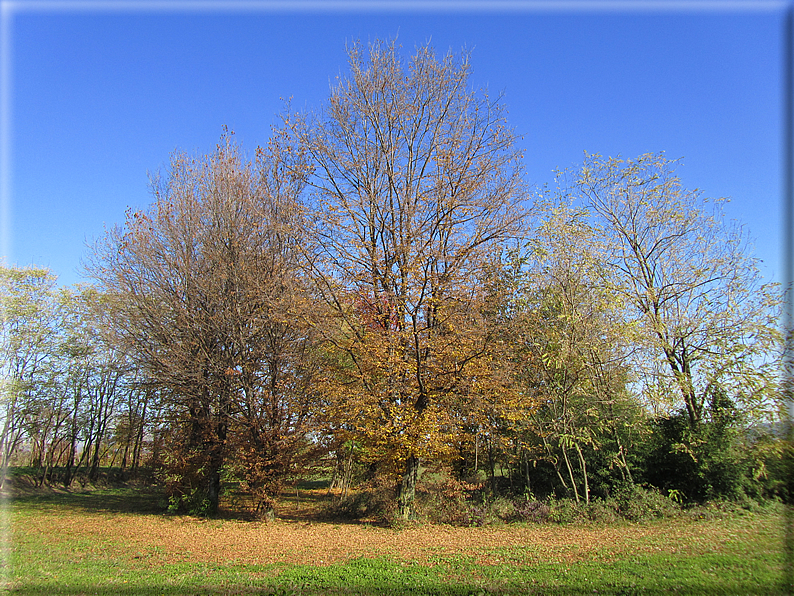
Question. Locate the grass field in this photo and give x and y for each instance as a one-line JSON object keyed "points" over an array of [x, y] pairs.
{"points": [[118, 542]]}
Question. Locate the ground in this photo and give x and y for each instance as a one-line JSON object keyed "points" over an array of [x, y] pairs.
{"points": [[296, 537]]}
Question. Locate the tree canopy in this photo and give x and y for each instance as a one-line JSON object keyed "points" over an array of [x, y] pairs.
{"points": [[378, 290]]}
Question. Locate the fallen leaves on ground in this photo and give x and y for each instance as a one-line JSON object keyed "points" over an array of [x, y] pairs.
{"points": [[156, 539]]}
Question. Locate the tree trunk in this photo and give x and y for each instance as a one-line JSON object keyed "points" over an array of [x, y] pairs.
{"points": [[332, 484], [556, 462], [216, 461], [68, 476], [476, 453], [214, 491], [136, 450], [570, 472], [492, 466], [5, 452], [347, 471], [407, 490], [622, 456], [126, 453], [584, 473], [527, 485]]}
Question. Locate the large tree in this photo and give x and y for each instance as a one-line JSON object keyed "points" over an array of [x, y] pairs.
{"points": [[690, 282], [206, 292], [413, 178]]}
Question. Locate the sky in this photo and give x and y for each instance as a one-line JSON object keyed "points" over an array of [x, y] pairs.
{"points": [[97, 95]]}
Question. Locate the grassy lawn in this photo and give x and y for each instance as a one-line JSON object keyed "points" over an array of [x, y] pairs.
{"points": [[118, 542]]}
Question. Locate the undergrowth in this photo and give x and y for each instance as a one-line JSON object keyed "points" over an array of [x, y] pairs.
{"points": [[455, 503]]}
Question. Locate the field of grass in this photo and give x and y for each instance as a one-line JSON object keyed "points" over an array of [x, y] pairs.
{"points": [[119, 542]]}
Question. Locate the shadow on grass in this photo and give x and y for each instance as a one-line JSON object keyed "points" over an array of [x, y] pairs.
{"points": [[146, 501], [152, 501]]}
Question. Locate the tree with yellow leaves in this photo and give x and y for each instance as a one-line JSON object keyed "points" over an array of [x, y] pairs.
{"points": [[412, 179]]}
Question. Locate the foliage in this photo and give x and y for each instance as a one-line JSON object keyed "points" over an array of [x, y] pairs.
{"points": [[570, 345], [714, 459], [28, 335], [66, 384], [697, 303], [376, 294], [443, 499], [412, 179], [206, 296], [638, 503]]}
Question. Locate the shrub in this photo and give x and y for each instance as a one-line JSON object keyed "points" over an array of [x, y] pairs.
{"points": [[641, 503], [565, 511], [708, 459], [629, 502], [442, 499], [531, 511], [375, 499], [601, 511]]}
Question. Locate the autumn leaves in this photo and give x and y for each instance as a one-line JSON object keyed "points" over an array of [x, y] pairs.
{"points": [[375, 276]]}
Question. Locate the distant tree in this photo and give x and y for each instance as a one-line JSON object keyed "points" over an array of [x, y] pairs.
{"points": [[206, 295], [413, 179], [27, 347], [95, 374]]}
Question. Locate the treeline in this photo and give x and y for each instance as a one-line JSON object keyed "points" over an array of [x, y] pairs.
{"points": [[379, 288], [72, 398]]}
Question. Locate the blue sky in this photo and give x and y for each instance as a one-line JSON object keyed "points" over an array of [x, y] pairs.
{"points": [[97, 95]]}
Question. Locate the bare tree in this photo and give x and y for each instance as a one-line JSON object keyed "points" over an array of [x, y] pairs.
{"points": [[413, 178], [206, 292]]}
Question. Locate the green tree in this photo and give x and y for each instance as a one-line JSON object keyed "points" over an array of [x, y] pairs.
{"points": [[568, 332], [693, 292], [94, 375], [28, 333]]}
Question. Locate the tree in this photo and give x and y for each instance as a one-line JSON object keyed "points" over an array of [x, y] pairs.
{"points": [[566, 329], [413, 178], [205, 293], [28, 335], [97, 372], [62, 377], [695, 293]]}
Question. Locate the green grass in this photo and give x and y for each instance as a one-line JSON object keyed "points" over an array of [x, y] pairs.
{"points": [[750, 563], [63, 573]]}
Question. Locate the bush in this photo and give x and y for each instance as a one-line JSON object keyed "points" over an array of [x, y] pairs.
{"points": [[442, 499], [709, 459], [629, 502], [487, 513], [376, 500], [531, 511], [638, 503], [566, 511], [601, 511]]}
